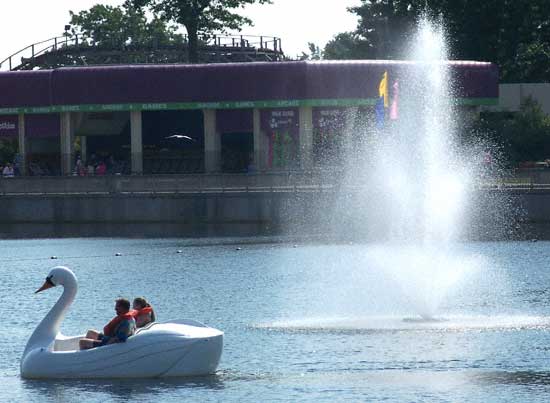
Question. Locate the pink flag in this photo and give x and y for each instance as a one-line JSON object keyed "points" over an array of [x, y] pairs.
{"points": [[393, 107]]}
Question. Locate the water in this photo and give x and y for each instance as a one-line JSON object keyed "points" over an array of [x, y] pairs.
{"points": [[305, 322]]}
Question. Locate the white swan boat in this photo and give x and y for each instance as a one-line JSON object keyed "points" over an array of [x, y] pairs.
{"points": [[175, 348]]}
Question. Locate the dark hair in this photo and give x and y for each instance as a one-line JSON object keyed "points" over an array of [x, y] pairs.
{"points": [[123, 303], [141, 302]]}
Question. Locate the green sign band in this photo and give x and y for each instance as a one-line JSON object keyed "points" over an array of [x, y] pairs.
{"points": [[218, 105]]}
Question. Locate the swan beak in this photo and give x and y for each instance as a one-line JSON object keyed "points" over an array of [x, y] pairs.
{"points": [[47, 284]]}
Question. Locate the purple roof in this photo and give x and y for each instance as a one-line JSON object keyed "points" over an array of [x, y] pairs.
{"points": [[267, 81], [25, 88]]}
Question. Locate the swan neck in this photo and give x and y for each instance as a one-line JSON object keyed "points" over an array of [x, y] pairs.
{"points": [[47, 330]]}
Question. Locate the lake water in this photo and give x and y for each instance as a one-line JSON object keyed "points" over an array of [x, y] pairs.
{"points": [[302, 322]]}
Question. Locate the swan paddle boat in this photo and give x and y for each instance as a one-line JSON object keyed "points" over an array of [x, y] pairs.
{"points": [[166, 349]]}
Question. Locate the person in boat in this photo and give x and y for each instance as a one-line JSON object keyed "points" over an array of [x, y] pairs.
{"points": [[117, 330], [143, 312]]}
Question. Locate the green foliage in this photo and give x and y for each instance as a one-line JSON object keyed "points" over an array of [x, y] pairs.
{"points": [[522, 136], [532, 63], [8, 149], [121, 26], [198, 16], [514, 34], [314, 52], [347, 45]]}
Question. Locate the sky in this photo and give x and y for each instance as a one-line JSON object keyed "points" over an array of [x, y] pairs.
{"points": [[296, 22]]}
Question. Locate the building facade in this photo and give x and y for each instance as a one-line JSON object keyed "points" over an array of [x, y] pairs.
{"points": [[234, 117]]}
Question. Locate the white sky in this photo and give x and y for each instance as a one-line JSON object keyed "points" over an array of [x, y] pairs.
{"points": [[296, 22]]}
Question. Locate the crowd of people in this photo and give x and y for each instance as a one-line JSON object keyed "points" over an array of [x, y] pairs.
{"points": [[97, 167], [123, 325], [8, 171], [11, 169]]}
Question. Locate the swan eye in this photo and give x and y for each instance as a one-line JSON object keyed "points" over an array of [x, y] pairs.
{"points": [[49, 281]]}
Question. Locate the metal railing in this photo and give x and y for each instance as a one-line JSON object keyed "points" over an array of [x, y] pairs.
{"points": [[148, 184], [212, 43], [283, 182]]}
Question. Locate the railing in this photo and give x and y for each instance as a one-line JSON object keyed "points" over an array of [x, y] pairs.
{"points": [[283, 182], [37, 49], [145, 184], [29, 54]]}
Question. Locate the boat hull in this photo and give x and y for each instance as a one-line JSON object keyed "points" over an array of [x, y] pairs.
{"points": [[164, 350]]}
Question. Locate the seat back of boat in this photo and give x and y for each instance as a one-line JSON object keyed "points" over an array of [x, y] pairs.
{"points": [[146, 327], [66, 343]]}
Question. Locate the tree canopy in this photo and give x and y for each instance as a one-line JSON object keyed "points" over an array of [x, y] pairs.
{"points": [[521, 136], [115, 26], [198, 16], [514, 34]]}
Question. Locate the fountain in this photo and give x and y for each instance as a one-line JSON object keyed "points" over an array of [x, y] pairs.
{"points": [[408, 199], [417, 181]]}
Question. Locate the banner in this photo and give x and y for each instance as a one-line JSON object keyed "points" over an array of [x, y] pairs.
{"points": [[282, 129], [329, 126], [9, 126]]}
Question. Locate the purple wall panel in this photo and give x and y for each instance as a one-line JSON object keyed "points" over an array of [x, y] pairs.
{"points": [[476, 81], [223, 82], [344, 80], [179, 83], [42, 125], [234, 120], [25, 88]]}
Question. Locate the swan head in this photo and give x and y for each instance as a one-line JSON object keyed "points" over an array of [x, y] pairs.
{"points": [[59, 275]]}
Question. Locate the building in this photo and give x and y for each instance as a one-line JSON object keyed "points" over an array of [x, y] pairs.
{"points": [[231, 117]]}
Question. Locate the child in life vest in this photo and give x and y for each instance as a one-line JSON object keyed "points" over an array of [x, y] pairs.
{"points": [[117, 330], [143, 312]]}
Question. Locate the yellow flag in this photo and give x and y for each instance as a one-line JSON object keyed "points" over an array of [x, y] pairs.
{"points": [[383, 90]]}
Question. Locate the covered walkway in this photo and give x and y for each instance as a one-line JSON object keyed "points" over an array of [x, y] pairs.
{"points": [[233, 117]]}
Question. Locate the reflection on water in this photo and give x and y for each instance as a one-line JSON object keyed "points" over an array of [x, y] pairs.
{"points": [[451, 323], [120, 388]]}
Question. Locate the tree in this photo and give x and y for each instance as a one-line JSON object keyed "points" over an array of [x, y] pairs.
{"points": [[348, 45], [384, 26], [522, 136], [315, 52], [514, 34], [120, 26], [198, 16], [8, 148]]}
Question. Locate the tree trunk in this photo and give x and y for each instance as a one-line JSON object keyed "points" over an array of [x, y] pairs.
{"points": [[192, 45]]}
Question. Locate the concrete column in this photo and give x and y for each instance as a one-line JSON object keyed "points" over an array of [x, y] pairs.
{"points": [[259, 141], [136, 142], [306, 137], [212, 142], [67, 143], [22, 144]]}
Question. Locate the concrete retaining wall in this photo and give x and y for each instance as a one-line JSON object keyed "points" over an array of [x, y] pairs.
{"points": [[297, 205]]}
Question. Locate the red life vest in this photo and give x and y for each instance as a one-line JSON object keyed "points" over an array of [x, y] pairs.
{"points": [[110, 328], [143, 311], [144, 314]]}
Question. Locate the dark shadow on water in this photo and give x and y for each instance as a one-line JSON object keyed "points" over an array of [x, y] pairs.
{"points": [[520, 378], [126, 389], [119, 388]]}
